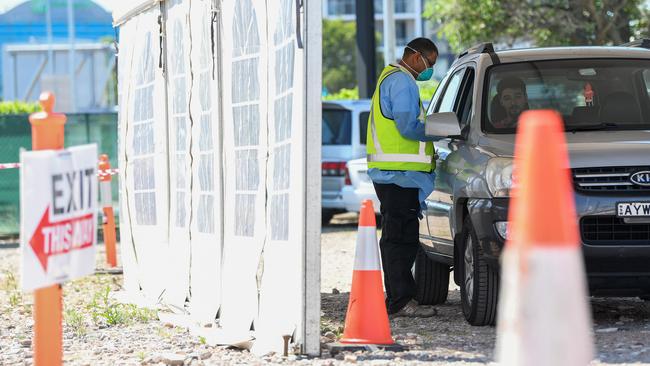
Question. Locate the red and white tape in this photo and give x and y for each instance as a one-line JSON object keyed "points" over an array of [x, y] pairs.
{"points": [[102, 173], [9, 166]]}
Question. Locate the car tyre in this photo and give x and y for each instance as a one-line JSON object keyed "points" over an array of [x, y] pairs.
{"points": [[431, 280], [479, 287]]}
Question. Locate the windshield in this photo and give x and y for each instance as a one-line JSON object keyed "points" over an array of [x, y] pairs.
{"points": [[591, 94], [337, 127]]}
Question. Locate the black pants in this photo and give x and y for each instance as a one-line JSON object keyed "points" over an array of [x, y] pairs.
{"points": [[399, 242]]}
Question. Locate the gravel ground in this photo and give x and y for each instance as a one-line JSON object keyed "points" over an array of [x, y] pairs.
{"points": [[100, 332]]}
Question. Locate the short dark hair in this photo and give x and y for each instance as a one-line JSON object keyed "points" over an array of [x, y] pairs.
{"points": [[421, 44], [511, 82]]}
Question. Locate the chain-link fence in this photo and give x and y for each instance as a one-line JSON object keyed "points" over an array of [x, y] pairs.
{"points": [[15, 133]]}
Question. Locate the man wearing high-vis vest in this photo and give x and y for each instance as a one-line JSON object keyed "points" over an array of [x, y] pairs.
{"points": [[401, 165]]}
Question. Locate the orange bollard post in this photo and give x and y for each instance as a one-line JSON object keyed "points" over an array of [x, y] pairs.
{"points": [[48, 133], [108, 221]]}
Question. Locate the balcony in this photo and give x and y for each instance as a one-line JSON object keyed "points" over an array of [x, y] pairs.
{"points": [[401, 6], [340, 7], [347, 7]]}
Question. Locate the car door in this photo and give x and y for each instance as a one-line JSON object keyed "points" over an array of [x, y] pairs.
{"points": [[456, 97]]}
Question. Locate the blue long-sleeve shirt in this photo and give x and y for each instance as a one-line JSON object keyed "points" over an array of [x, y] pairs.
{"points": [[400, 101]]}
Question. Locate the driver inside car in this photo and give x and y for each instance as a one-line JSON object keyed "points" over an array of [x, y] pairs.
{"points": [[509, 102]]}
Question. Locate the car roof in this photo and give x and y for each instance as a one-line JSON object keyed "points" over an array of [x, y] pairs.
{"points": [[547, 53], [557, 53]]}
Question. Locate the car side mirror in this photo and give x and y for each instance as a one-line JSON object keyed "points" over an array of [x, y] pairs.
{"points": [[443, 124]]}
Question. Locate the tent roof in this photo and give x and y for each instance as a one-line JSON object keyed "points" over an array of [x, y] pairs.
{"points": [[127, 9]]}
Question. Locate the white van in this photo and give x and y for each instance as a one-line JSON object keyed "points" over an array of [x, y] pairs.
{"points": [[345, 124]]}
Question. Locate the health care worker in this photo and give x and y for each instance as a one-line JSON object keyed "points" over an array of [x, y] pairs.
{"points": [[401, 165]]}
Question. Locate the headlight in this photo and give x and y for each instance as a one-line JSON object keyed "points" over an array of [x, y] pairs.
{"points": [[502, 229], [499, 176]]}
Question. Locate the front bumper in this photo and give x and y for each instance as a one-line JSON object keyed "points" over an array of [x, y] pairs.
{"points": [[484, 213], [613, 267]]}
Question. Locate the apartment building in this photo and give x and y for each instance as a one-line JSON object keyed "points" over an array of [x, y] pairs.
{"points": [[408, 25]]}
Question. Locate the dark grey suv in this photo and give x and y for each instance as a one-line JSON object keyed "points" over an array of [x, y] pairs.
{"points": [[603, 94]]}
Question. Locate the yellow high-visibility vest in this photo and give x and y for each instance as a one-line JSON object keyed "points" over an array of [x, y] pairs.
{"points": [[387, 149]]}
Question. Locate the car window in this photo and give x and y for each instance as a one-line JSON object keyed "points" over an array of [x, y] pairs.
{"points": [[448, 99], [589, 93], [436, 94], [337, 127], [465, 106], [363, 127]]}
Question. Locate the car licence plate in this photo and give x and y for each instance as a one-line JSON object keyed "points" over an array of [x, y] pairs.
{"points": [[633, 209]]}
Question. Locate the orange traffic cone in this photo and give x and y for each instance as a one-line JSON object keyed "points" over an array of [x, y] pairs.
{"points": [[366, 321], [543, 316]]}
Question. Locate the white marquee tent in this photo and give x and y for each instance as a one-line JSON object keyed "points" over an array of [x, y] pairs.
{"points": [[219, 155]]}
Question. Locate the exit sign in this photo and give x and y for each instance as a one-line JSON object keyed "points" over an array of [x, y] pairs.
{"points": [[58, 202]]}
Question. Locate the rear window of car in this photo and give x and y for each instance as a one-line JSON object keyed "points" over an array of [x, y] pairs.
{"points": [[589, 93], [337, 127], [363, 127]]}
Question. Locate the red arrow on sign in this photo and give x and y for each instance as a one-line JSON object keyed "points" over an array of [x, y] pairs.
{"points": [[61, 237]]}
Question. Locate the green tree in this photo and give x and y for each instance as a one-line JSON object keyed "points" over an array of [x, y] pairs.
{"points": [[339, 72], [18, 107], [339, 55], [543, 22], [427, 88], [343, 94], [641, 27]]}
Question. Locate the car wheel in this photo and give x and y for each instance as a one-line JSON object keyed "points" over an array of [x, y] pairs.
{"points": [[479, 287], [431, 280]]}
